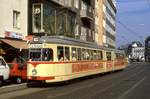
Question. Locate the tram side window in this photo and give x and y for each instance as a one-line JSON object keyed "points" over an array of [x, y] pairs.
{"points": [[79, 53], [74, 54], [88, 55], [83, 54], [91, 54], [95, 55], [99, 55], [60, 53], [108, 56], [47, 54], [119, 56], [67, 53]]}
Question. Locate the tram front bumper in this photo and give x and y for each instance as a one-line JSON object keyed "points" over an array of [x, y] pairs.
{"points": [[41, 78]]}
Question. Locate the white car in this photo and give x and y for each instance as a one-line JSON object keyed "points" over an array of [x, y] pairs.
{"points": [[4, 70]]}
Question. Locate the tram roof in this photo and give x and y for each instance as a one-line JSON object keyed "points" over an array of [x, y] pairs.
{"points": [[69, 41], [66, 41]]}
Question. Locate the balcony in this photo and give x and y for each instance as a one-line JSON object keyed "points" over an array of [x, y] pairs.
{"points": [[66, 4], [86, 34], [60, 2], [86, 11]]}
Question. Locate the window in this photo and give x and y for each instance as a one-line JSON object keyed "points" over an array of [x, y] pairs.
{"points": [[100, 55], [67, 53], [77, 30], [37, 18], [60, 53], [41, 54], [79, 53], [88, 54], [47, 54], [2, 63], [83, 54], [108, 56], [76, 3], [119, 56], [35, 54], [74, 54], [91, 54], [16, 19], [95, 55]]}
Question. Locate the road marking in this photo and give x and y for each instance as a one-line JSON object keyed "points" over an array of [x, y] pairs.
{"points": [[132, 88]]}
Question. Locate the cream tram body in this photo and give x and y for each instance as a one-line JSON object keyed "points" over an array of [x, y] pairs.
{"points": [[54, 62]]}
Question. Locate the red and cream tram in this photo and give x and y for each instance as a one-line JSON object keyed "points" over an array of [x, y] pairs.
{"points": [[56, 59]]}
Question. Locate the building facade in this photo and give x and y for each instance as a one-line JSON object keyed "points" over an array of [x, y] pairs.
{"points": [[147, 49], [14, 18], [105, 25], [13, 29], [87, 20], [138, 53], [70, 18]]}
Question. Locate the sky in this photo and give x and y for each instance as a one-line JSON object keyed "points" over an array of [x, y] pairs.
{"points": [[132, 21]]}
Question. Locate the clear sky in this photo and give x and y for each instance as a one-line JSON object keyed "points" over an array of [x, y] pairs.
{"points": [[133, 20]]}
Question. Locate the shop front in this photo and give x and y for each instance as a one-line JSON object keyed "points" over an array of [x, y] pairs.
{"points": [[13, 50]]}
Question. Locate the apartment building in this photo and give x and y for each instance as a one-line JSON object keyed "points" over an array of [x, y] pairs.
{"points": [[13, 18], [87, 20], [137, 53], [13, 28], [70, 18], [105, 27]]}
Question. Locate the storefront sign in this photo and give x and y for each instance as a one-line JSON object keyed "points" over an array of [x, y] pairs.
{"points": [[13, 35]]}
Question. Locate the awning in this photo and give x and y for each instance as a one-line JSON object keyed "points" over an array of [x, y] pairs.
{"points": [[19, 44]]}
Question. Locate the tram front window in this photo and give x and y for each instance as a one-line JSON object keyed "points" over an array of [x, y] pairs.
{"points": [[41, 54], [36, 54]]}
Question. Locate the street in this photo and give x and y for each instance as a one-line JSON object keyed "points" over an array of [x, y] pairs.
{"points": [[131, 83]]}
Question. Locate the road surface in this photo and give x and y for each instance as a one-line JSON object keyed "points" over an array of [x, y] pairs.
{"points": [[131, 83]]}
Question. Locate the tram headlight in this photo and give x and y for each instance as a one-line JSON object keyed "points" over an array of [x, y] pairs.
{"points": [[34, 72]]}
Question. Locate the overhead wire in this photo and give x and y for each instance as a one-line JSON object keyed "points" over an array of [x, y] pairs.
{"points": [[130, 30]]}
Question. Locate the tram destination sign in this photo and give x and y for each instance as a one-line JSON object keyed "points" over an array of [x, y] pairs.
{"points": [[35, 46]]}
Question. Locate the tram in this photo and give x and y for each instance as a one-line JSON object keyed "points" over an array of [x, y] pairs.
{"points": [[56, 59]]}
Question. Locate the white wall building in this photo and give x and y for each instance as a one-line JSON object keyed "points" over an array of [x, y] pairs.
{"points": [[138, 52], [13, 18]]}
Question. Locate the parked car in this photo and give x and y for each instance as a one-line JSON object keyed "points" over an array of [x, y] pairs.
{"points": [[18, 72], [4, 70]]}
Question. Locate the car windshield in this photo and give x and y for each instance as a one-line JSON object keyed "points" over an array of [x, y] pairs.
{"points": [[2, 62]]}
